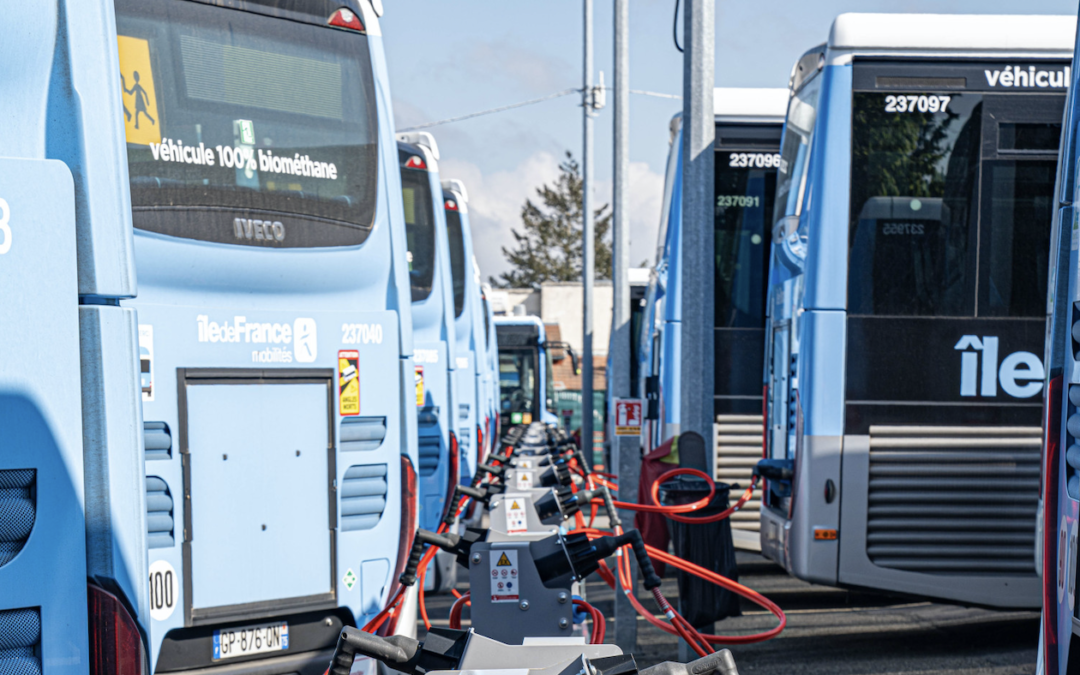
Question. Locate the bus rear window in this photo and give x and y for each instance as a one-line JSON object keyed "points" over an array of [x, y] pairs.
{"points": [[457, 259], [745, 183], [247, 129], [419, 230]]}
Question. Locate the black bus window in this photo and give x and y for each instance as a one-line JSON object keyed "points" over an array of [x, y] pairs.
{"points": [[742, 218], [242, 122], [913, 205], [457, 259], [517, 381], [1017, 210], [419, 231]]}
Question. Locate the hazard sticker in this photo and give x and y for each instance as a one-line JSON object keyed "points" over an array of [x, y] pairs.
{"points": [[146, 361], [524, 480], [516, 520], [504, 576], [348, 382], [419, 379]]}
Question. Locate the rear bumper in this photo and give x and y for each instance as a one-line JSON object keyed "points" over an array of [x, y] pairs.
{"points": [[304, 663]]}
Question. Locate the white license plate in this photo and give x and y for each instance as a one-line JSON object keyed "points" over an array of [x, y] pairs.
{"points": [[230, 643]]}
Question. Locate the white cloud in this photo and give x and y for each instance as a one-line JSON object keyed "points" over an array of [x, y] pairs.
{"points": [[495, 201]]}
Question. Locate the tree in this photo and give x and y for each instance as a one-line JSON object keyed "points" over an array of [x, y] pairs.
{"points": [[549, 244]]}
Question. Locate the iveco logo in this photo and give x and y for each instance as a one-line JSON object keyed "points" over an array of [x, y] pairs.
{"points": [[258, 230], [1021, 373]]}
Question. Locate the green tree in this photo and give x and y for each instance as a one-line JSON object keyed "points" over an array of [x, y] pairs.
{"points": [[548, 247]]}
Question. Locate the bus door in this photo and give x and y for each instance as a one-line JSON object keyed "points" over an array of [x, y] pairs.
{"points": [[952, 183], [276, 442]]}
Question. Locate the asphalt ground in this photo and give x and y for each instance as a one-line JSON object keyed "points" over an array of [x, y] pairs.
{"points": [[837, 631]]}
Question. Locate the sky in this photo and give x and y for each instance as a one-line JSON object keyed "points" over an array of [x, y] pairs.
{"points": [[449, 58]]}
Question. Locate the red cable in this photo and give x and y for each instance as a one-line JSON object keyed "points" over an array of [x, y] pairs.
{"points": [[599, 623], [455, 611]]}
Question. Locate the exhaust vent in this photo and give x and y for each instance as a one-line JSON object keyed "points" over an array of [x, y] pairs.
{"points": [[20, 640], [18, 509], [363, 497], [159, 514], [157, 439], [362, 433], [953, 500]]}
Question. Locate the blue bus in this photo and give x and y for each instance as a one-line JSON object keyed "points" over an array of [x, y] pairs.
{"points": [[526, 385], [73, 568], [748, 128], [489, 381], [270, 249], [434, 343], [1060, 499], [466, 297], [907, 282]]}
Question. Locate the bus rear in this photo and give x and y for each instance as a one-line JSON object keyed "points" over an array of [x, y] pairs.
{"points": [[904, 371], [748, 127], [268, 239], [1060, 500]]}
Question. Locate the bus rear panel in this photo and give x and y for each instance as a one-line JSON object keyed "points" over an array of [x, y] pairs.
{"points": [[272, 389], [904, 366]]}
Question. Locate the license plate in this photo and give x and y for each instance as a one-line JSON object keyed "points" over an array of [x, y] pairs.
{"points": [[230, 643]]}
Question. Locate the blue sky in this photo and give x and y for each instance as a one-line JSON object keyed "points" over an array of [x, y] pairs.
{"points": [[452, 58]]}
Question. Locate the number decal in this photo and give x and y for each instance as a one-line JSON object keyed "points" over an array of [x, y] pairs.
{"points": [[753, 160], [163, 590], [911, 103], [5, 229], [737, 201], [361, 333]]}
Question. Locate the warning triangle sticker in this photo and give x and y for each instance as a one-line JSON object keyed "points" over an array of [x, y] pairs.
{"points": [[503, 561], [515, 505]]}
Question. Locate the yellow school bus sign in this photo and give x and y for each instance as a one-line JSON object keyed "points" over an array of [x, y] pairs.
{"points": [[142, 125]]}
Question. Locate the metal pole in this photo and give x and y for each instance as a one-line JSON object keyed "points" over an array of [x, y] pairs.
{"points": [[628, 448], [588, 263], [699, 131]]}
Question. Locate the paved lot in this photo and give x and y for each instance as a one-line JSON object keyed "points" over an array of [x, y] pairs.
{"points": [[841, 632]]}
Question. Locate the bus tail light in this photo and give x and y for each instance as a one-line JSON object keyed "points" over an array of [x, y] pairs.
{"points": [[346, 18], [1051, 499], [453, 472], [480, 449], [116, 646]]}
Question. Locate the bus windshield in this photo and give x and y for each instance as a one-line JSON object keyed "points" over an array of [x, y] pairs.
{"points": [[419, 230], [795, 149], [457, 259], [743, 214], [517, 381], [950, 204], [247, 129]]}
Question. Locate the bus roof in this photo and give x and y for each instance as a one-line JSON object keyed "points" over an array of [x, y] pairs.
{"points": [[527, 320], [1044, 35], [768, 104]]}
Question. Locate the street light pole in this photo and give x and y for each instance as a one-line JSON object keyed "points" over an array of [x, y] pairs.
{"points": [[588, 263]]}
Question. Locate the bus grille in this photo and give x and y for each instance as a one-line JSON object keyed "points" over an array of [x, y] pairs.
{"points": [[362, 433], [160, 531], [20, 641], [429, 455], [738, 449], [157, 440], [953, 499], [17, 511], [363, 496]]}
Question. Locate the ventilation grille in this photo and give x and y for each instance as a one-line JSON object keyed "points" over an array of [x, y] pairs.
{"points": [[20, 640], [464, 441], [463, 411], [953, 500], [429, 455], [363, 496], [159, 514], [362, 433], [738, 450], [17, 512], [157, 440]]}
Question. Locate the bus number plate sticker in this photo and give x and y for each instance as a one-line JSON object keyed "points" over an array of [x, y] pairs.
{"points": [[348, 382], [516, 521], [504, 575], [230, 643]]}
